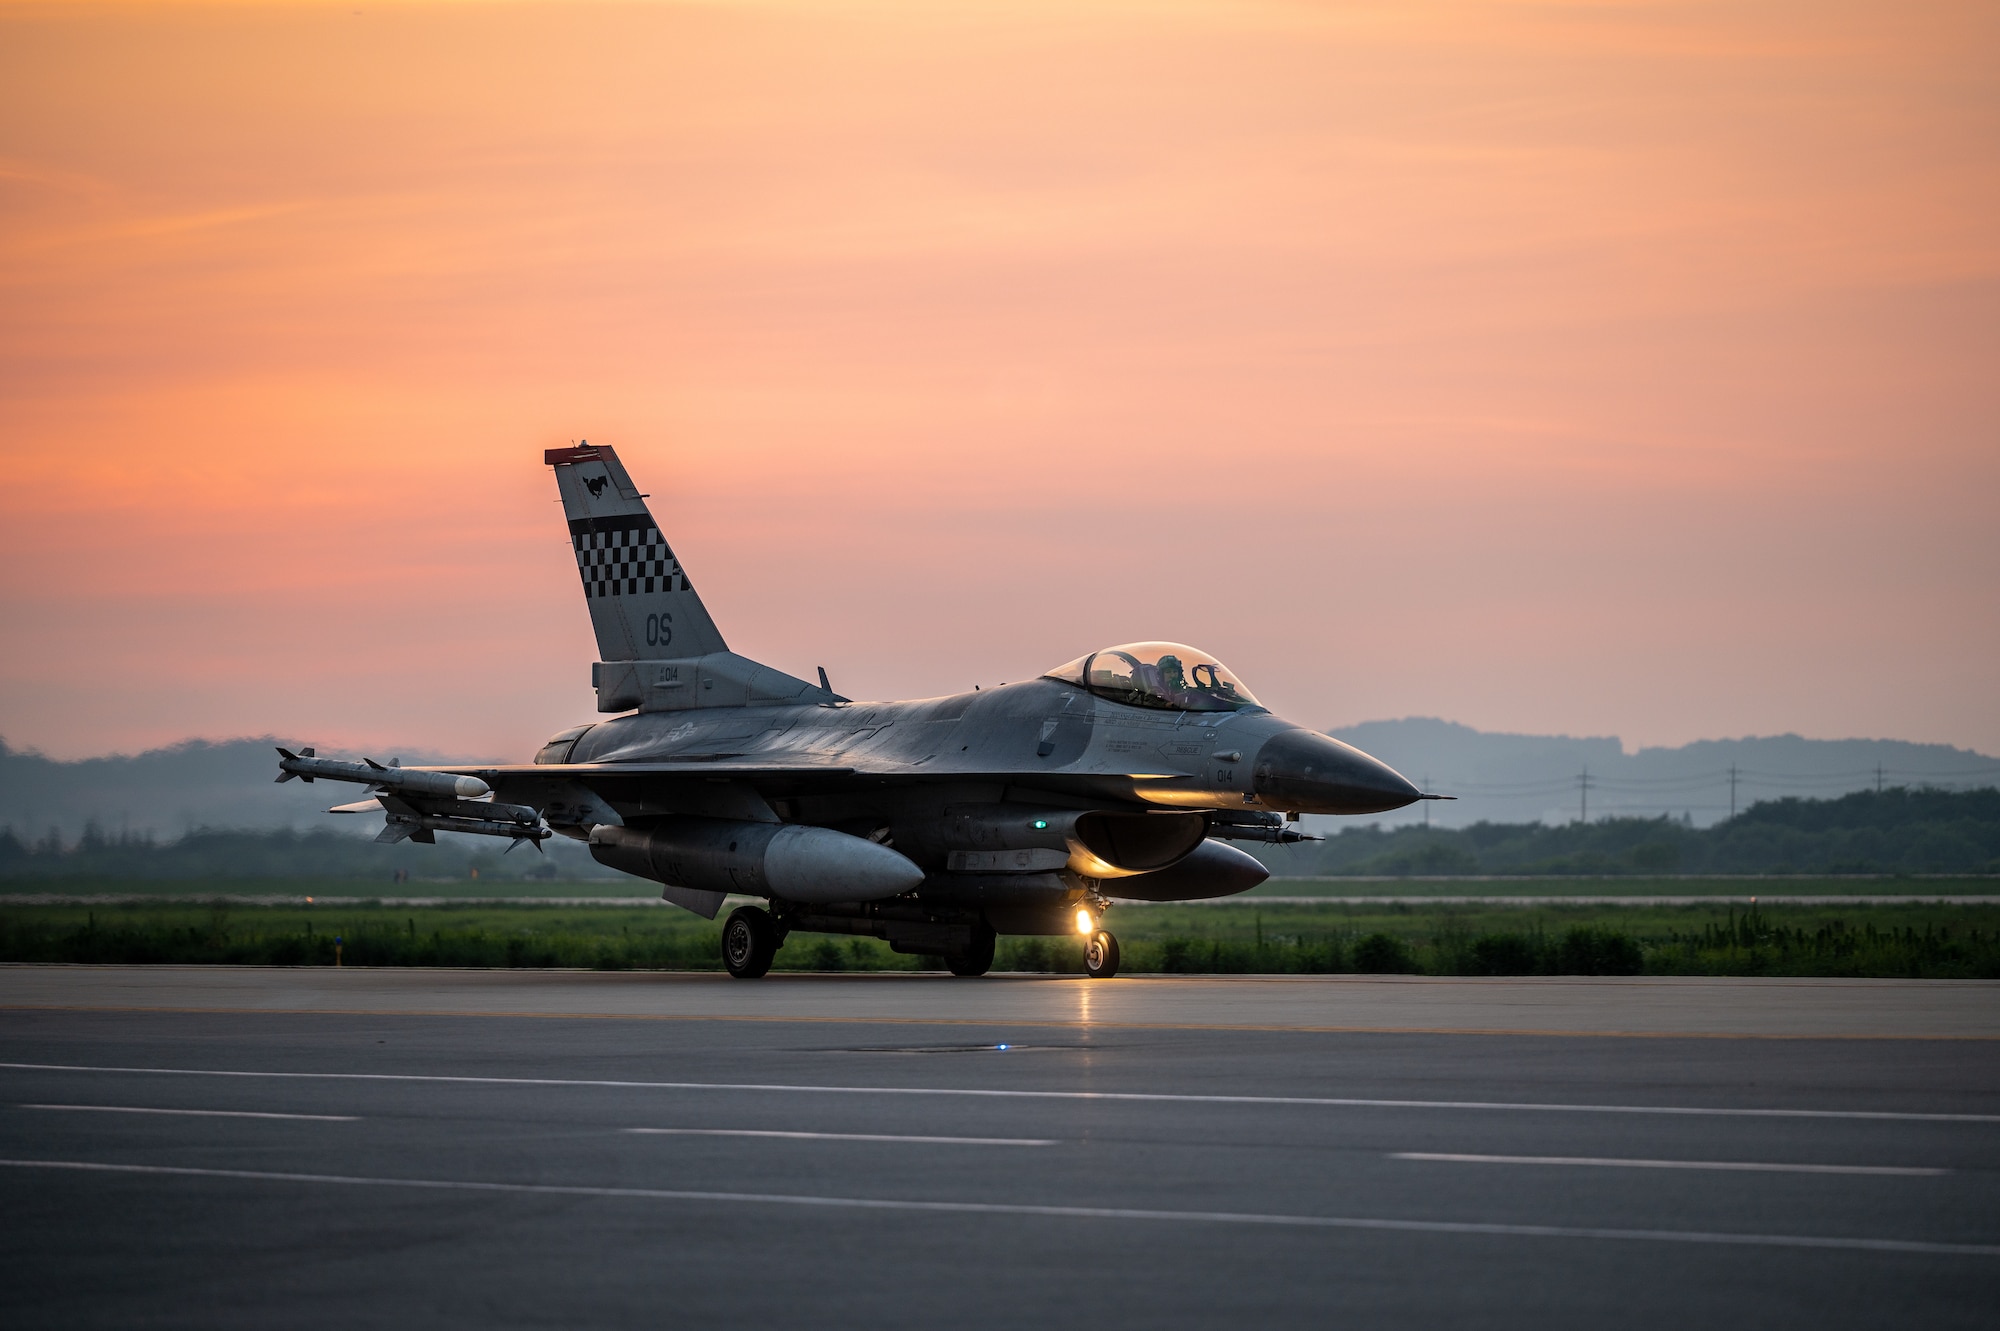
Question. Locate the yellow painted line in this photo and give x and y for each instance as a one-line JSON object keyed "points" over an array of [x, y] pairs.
{"points": [[1082, 1023]]}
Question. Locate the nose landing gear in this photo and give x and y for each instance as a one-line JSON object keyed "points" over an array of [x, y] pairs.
{"points": [[1100, 955]]}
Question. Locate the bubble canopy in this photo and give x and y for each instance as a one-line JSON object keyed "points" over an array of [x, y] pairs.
{"points": [[1168, 675]]}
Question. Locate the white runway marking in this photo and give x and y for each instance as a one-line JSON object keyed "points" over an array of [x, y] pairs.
{"points": [[845, 1136], [1332, 1102], [1053, 1212], [196, 1113], [1746, 1165]]}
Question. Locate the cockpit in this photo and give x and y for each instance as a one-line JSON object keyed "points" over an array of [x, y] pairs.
{"points": [[1166, 675]]}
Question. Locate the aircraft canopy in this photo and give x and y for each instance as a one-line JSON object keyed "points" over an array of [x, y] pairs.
{"points": [[1167, 675]]}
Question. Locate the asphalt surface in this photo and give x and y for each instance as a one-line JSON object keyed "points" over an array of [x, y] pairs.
{"points": [[1330, 1003], [412, 1148]]}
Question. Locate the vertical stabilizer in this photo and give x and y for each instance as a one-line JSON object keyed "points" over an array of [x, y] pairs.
{"points": [[641, 603]]}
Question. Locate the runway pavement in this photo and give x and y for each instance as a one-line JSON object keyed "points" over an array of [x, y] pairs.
{"points": [[192, 1147], [1906, 1009]]}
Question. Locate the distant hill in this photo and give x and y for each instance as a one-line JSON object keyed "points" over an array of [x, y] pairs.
{"points": [[164, 793], [201, 809], [1895, 831], [1498, 778], [1537, 778], [284, 853]]}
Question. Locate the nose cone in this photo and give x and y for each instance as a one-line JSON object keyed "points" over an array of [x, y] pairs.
{"points": [[1313, 773]]}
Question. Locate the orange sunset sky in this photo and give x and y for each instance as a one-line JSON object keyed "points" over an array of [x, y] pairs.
{"points": [[1626, 368]]}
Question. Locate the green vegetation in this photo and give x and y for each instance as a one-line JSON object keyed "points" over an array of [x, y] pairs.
{"points": [[1915, 939], [1891, 831], [640, 892], [322, 853], [1615, 885], [276, 891]]}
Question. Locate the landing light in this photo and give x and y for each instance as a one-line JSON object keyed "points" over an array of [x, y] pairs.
{"points": [[1084, 924]]}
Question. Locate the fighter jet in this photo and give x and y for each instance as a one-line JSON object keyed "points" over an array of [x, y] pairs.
{"points": [[934, 825]]}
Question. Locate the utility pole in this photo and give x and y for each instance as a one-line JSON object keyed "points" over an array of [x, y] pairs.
{"points": [[1878, 778], [1732, 790], [1583, 796], [1427, 803]]}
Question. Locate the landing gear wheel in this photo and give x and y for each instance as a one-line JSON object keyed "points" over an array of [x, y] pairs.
{"points": [[1100, 956], [749, 942], [978, 959]]}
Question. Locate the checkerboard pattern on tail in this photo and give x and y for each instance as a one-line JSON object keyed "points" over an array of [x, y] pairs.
{"points": [[628, 560], [642, 607]]}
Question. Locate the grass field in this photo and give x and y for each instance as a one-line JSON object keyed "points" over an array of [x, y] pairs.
{"points": [[1626, 885], [1440, 938], [352, 889], [1332, 889]]}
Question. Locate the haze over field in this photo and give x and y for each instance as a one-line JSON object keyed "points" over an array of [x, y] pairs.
{"points": [[1591, 368]]}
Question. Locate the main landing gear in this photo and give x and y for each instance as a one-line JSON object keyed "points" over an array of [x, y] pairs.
{"points": [[751, 938], [1100, 955], [749, 942], [978, 959]]}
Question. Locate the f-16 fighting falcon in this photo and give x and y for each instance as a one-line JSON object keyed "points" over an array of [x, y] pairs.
{"points": [[934, 825]]}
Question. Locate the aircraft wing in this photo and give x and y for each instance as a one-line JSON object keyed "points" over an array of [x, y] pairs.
{"points": [[493, 774], [658, 784], [695, 767]]}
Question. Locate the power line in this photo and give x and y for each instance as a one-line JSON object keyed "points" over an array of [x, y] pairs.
{"points": [[1742, 775]]}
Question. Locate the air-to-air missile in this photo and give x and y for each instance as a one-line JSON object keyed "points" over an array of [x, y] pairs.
{"points": [[368, 772], [419, 804]]}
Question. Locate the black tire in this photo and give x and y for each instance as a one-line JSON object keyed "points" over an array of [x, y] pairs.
{"points": [[749, 942], [978, 959], [1100, 956]]}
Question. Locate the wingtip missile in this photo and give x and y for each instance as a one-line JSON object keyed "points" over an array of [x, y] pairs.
{"points": [[368, 772]]}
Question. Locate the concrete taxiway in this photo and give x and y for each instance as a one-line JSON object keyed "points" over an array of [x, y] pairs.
{"points": [[220, 1147]]}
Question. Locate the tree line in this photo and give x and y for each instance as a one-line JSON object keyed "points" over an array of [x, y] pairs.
{"points": [[1898, 830]]}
